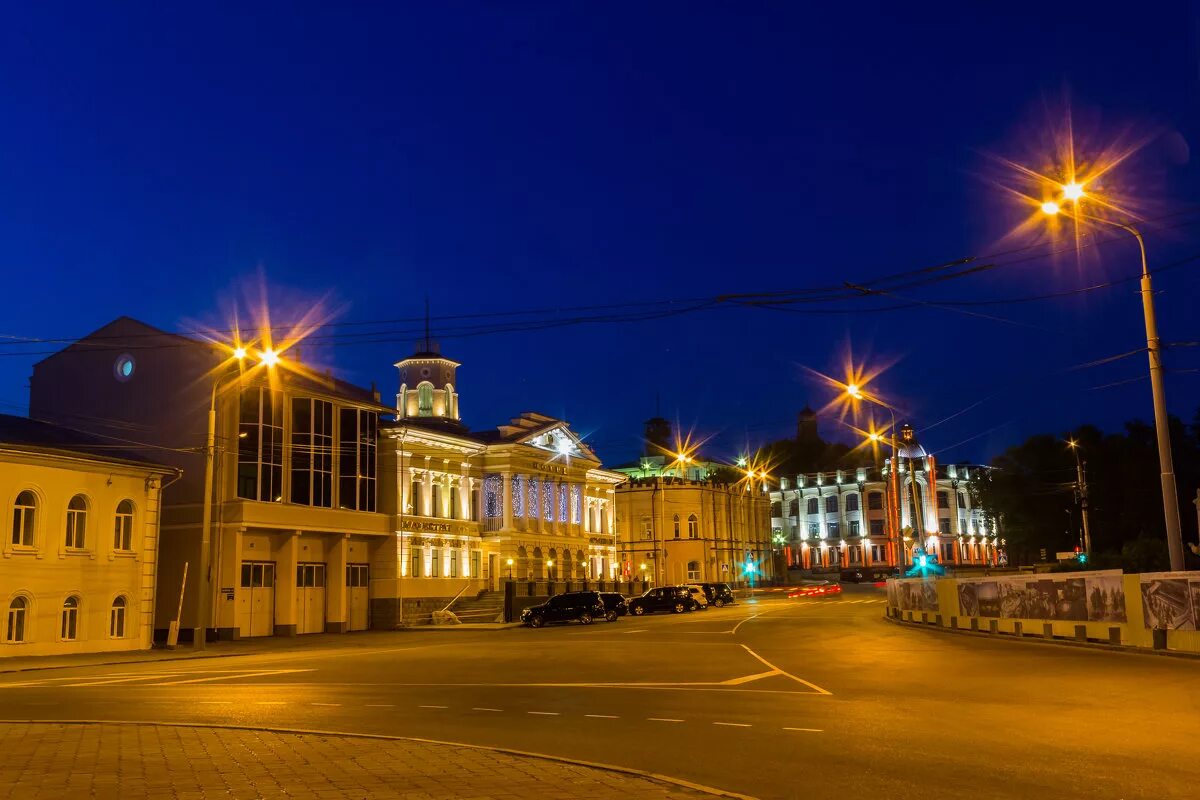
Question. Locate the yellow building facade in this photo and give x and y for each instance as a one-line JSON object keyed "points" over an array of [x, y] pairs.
{"points": [[80, 553], [685, 531]]}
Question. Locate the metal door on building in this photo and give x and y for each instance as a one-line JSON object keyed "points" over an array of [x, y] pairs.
{"points": [[310, 598], [256, 599], [358, 577]]}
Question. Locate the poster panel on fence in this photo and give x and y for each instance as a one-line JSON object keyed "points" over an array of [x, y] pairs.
{"points": [[1170, 600], [1077, 596], [916, 594]]}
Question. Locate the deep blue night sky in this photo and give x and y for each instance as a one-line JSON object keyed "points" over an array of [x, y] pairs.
{"points": [[152, 161]]}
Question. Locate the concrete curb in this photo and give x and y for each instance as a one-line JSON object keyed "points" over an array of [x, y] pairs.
{"points": [[1003, 637], [637, 773]]}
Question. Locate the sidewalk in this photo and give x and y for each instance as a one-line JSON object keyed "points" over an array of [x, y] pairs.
{"points": [[45, 761]]}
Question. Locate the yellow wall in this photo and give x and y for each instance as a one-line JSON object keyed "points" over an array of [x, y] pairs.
{"points": [[48, 573]]}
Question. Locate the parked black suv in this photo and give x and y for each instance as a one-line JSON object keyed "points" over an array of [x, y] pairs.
{"points": [[614, 605], [718, 594], [665, 598], [581, 606]]}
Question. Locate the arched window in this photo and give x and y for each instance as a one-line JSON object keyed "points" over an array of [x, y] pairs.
{"points": [[831, 504], [451, 404], [76, 521], [813, 506], [24, 519], [693, 570], [425, 399], [123, 526], [116, 619], [693, 527], [852, 502], [539, 565], [70, 619], [15, 629], [552, 564], [676, 526]]}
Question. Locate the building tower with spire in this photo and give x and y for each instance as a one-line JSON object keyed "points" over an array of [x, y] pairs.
{"points": [[427, 383]]}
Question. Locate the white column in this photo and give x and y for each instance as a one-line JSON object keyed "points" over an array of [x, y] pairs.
{"points": [[506, 478]]}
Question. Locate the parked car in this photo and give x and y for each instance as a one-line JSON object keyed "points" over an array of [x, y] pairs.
{"points": [[718, 594], [664, 598], [579, 606], [614, 605], [698, 595]]}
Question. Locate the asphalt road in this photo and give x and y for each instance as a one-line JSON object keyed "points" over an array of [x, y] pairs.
{"points": [[772, 698]]}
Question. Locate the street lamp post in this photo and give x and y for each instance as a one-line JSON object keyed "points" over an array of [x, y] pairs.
{"points": [[1081, 481], [268, 358], [1074, 192], [897, 521]]}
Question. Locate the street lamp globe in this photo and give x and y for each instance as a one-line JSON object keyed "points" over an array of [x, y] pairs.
{"points": [[1073, 191], [1050, 207]]}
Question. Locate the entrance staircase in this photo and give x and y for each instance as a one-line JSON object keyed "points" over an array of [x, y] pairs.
{"points": [[485, 607]]}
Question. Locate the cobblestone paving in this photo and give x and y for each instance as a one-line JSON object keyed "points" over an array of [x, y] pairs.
{"points": [[41, 761]]}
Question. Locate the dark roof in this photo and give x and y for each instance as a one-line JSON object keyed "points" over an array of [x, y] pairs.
{"points": [[22, 433]]}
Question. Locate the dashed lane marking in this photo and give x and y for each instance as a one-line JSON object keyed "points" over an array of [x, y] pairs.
{"points": [[270, 703], [663, 719], [477, 708], [602, 716], [544, 713], [433, 706], [379, 705], [328, 705], [734, 724], [806, 730]]}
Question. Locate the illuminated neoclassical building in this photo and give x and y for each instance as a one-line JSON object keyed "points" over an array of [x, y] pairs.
{"points": [[847, 517], [527, 500]]}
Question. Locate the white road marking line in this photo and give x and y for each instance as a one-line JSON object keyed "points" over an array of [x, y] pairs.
{"points": [[117, 680], [433, 706], [486, 709], [270, 703], [806, 730], [734, 724], [662, 719], [601, 716], [639, 630], [748, 678], [379, 705], [543, 713], [215, 702], [812, 686], [325, 704], [232, 677]]}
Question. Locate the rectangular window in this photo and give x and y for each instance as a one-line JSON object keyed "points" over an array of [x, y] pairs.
{"points": [[947, 551], [855, 554], [258, 574], [833, 530], [357, 576], [854, 527], [944, 526], [943, 499], [415, 562], [454, 559], [875, 501], [814, 529], [312, 452], [435, 564], [260, 445], [877, 553], [475, 561], [356, 458], [877, 527]]}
